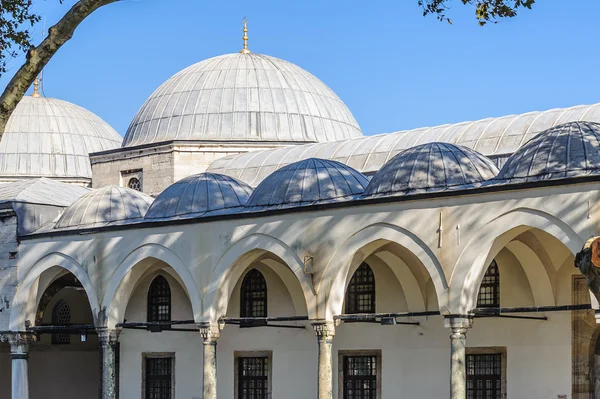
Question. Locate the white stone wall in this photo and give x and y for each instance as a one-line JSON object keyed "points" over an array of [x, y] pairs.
{"points": [[8, 266]]}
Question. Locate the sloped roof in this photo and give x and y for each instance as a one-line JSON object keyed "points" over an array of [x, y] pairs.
{"points": [[41, 191], [490, 137]]}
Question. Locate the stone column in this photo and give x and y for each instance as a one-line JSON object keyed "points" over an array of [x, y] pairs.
{"points": [[458, 339], [108, 340], [19, 353], [325, 331], [210, 335]]}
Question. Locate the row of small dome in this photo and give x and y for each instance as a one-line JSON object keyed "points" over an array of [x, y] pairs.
{"points": [[568, 150]]}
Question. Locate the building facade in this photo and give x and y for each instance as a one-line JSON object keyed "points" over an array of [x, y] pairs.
{"points": [[419, 264]]}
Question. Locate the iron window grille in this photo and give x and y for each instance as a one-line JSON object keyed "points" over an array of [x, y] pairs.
{"points": [[253, 378], [61, 316], [159, 300], [253, 298], [135, 184], [489, 291], [484, 376], [360, 377], [158, 378], [360, 296]]}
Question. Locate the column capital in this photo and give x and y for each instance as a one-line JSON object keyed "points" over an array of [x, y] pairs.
{"points": [[325, 330], [107, 337], [18, 338], [209, 332], [458, 322]]}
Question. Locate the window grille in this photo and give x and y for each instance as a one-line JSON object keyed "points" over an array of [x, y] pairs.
{"points": [[159, 300], [158, 378], [360, 377], [61, 315], [484, 376], [489, 291], [135, 184], [360, 296], [253, 378], [253, 295]]}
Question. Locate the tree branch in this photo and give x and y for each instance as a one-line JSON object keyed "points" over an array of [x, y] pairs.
{"points": [[38, 57]]}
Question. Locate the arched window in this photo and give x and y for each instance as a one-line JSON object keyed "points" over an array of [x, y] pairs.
{"points": [[134, 183], [61, 315], [253, 301], [489, 292], [159, 300], [360, 296]]}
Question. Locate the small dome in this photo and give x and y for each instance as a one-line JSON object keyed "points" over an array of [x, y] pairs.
{"points": [[308, 182], [242, 97], [431, 167], [567, 150], [198, 195], [103, 206], [47, 137]]}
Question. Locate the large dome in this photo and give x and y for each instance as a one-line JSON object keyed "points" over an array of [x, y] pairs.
{"points": [[431, 167], [47, 137], [567, 150], [104, 206], [242, 97], [308, 182], [198, 195]]}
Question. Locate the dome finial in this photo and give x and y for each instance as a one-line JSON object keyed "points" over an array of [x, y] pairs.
{"points": [[36, 84], [245, 49]]}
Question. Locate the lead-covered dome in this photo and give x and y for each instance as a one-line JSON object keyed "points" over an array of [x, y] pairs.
{"points": [[431, 167], [308, 182], [201, 194], [242, 97], [567, 150], [47, 137], [103, 206]]}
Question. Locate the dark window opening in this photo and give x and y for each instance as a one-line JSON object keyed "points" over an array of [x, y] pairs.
{"points": [[253, 298], [484, 376], [360, 377], [253, 377], [159, 300], [61, 316], [135, 184], [360, 296], [489, 291], [159, 378]]}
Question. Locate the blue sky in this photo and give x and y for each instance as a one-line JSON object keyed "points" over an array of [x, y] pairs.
{"points": [[394, 68]]}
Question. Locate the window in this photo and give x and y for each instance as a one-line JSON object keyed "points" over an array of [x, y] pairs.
{"points": [[159, 300], [253, 375], [489, 291], [135, 184], [61, 315], [486, 368], [360, 296], [158, 376], [360, 375], [254, 295]]}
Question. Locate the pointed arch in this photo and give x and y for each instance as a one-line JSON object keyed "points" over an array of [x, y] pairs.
{"points": [[495, 235], [123, 281], [236, 259], [25, 301], [359, 246]]}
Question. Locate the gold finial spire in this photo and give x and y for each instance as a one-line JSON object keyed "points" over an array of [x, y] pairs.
{"points": [[245, 49], [36, 84]]}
